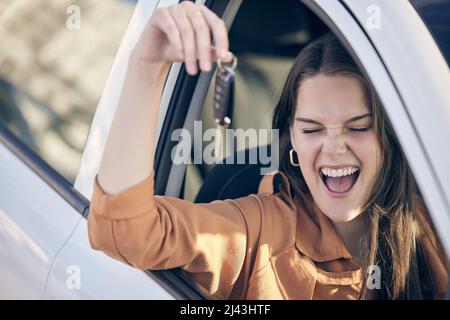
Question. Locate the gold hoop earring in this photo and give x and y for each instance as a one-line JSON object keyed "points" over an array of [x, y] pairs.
{"points": [[291, 157]]}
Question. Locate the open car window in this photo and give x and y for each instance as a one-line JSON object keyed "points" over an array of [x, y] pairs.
{"points": [[266, 50]]}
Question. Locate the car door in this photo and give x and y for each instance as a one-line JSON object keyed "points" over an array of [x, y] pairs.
{"points": [[38, 211]]}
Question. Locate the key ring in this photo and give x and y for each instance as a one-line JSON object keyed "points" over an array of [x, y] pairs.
{"points": [[233, 64]]}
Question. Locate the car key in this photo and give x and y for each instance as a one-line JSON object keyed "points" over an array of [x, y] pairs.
{"points": [[223, 105]]}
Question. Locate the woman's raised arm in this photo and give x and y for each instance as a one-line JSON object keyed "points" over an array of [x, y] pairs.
{"points": [[212, 242], [177, 33]]}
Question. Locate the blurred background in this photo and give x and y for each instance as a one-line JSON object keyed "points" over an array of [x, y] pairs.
{"points": [[54, 60]]}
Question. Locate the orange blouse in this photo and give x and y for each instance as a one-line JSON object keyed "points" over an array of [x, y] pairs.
{"points": [[261, 246]]}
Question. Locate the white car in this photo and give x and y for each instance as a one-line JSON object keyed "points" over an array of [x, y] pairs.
{"points": [[402, 46]]}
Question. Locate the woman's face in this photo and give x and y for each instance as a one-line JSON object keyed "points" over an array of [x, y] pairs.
{"points": [[337, 149]]}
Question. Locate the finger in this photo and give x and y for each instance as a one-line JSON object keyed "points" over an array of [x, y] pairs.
{"points": [[220, 34], [170, 29], [187, 37], [202, 36], [214, 57]]}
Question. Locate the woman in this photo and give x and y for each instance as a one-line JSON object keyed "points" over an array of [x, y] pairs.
{"points": [[338, 214]]}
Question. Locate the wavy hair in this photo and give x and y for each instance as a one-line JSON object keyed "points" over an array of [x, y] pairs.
{"points": [[393, 205]]}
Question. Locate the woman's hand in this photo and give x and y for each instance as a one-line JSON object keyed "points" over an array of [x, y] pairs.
{"points": [[182, 32]]}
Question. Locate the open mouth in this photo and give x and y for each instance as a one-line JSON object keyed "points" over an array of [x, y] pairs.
{"points": [[340, 184]]}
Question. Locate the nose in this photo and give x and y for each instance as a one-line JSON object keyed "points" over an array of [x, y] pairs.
{"points": [[334, 144]]}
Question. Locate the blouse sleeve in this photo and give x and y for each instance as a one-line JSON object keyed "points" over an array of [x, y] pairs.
{"points": [[214, 242]]}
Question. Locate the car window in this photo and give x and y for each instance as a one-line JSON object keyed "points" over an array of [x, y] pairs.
{"points": [[436, 15], [54, 60]]}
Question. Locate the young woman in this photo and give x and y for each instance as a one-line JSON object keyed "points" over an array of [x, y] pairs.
{"points": [[347, 222]]}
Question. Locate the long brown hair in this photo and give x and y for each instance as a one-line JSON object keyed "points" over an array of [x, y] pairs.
{"points": [[393, 243]]}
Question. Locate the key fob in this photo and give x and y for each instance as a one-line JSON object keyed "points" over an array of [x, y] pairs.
{"points": [[223, 96]]}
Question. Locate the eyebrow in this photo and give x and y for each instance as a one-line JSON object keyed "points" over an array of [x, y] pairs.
{"points": [[346, 122]]}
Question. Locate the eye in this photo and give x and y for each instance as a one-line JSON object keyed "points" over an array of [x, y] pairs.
{"points": [[359, 129], [310, 131]]}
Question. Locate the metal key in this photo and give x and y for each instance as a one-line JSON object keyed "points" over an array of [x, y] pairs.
{"points": [[223, 106]]}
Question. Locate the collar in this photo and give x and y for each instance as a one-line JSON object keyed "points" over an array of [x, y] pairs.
{"points": [[316, 236]]}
